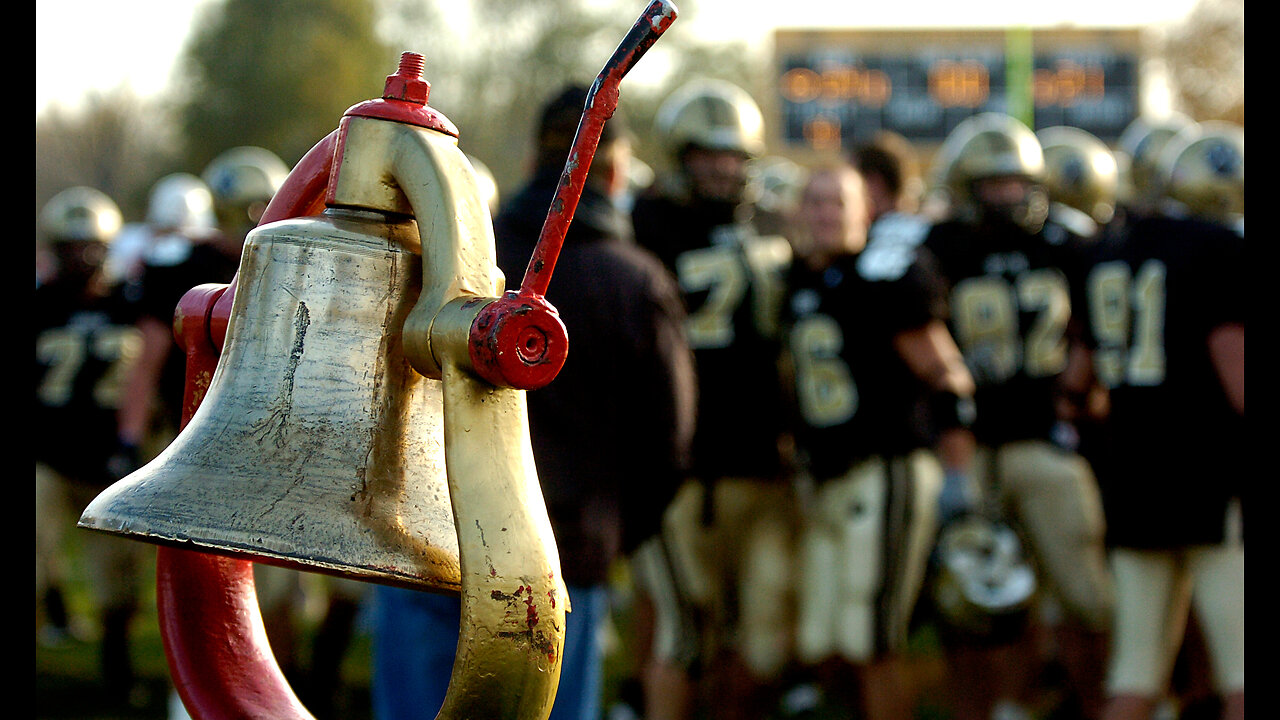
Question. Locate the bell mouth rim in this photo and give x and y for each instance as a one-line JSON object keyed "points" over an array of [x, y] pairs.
{"points": [[257, 555]]}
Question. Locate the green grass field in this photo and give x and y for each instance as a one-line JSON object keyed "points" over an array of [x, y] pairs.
{"points": [[68, 678]]}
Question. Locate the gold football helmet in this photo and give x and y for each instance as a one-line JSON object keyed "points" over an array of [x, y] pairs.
{"points": [[1140, 148], [243, 180], [989, 146], [1202, 168], [80, 214], [714, 115], [1080, 171], [180, 202]]}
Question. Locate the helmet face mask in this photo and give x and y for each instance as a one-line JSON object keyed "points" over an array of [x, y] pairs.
{"points": [[1000, 190], [1010, 201], [76, 262], [719, 175]]}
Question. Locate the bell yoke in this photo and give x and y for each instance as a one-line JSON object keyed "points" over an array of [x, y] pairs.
{"points": [[355, 406]]}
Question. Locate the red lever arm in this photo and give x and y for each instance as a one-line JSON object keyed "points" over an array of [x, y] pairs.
{"points": [[602, 102], [518, 340]]}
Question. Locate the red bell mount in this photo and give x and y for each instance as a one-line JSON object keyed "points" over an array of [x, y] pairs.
{"points": [[215, 641]]}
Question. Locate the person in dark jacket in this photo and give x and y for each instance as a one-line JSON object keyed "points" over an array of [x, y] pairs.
{"points": [[610, 434]]}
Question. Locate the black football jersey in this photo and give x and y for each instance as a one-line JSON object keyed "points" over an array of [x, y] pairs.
{"points": [[853, 396], [84, 350], [732, 283], [157, 296], [1010, 310], [1173, 452]]}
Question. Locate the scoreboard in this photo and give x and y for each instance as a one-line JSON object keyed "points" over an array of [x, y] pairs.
{"points": [[836, 88]]}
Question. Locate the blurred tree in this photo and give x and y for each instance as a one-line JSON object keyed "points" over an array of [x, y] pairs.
{"points": [[115, 142], [492, 64], [276, 74], [1205, 57], [280, 74]]}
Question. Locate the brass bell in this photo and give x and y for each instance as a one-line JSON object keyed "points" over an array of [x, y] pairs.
{"points": [[320, 442], [317, 445], [345, 428]]}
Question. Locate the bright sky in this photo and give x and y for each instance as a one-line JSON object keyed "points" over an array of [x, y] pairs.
{"points": [[86, 45]]}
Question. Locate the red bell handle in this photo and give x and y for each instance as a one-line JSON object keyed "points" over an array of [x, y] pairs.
{"points": [[602, 102], [518, 340]]}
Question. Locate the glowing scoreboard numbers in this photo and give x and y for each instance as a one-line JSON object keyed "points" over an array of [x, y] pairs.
{"points": [[835, 88]]}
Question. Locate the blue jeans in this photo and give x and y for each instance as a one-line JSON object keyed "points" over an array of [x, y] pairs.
{"points": [[416, 635]]}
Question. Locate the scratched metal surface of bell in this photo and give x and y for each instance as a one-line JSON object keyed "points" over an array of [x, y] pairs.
{"points": [[317, 446]]}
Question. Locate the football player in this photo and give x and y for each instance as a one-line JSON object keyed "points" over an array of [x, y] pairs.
{"points": [[181, 235], [85, 343], [1166, 305], [894, 190], [1008, 264], [179, 208], [698, 219], [875, 381]]}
